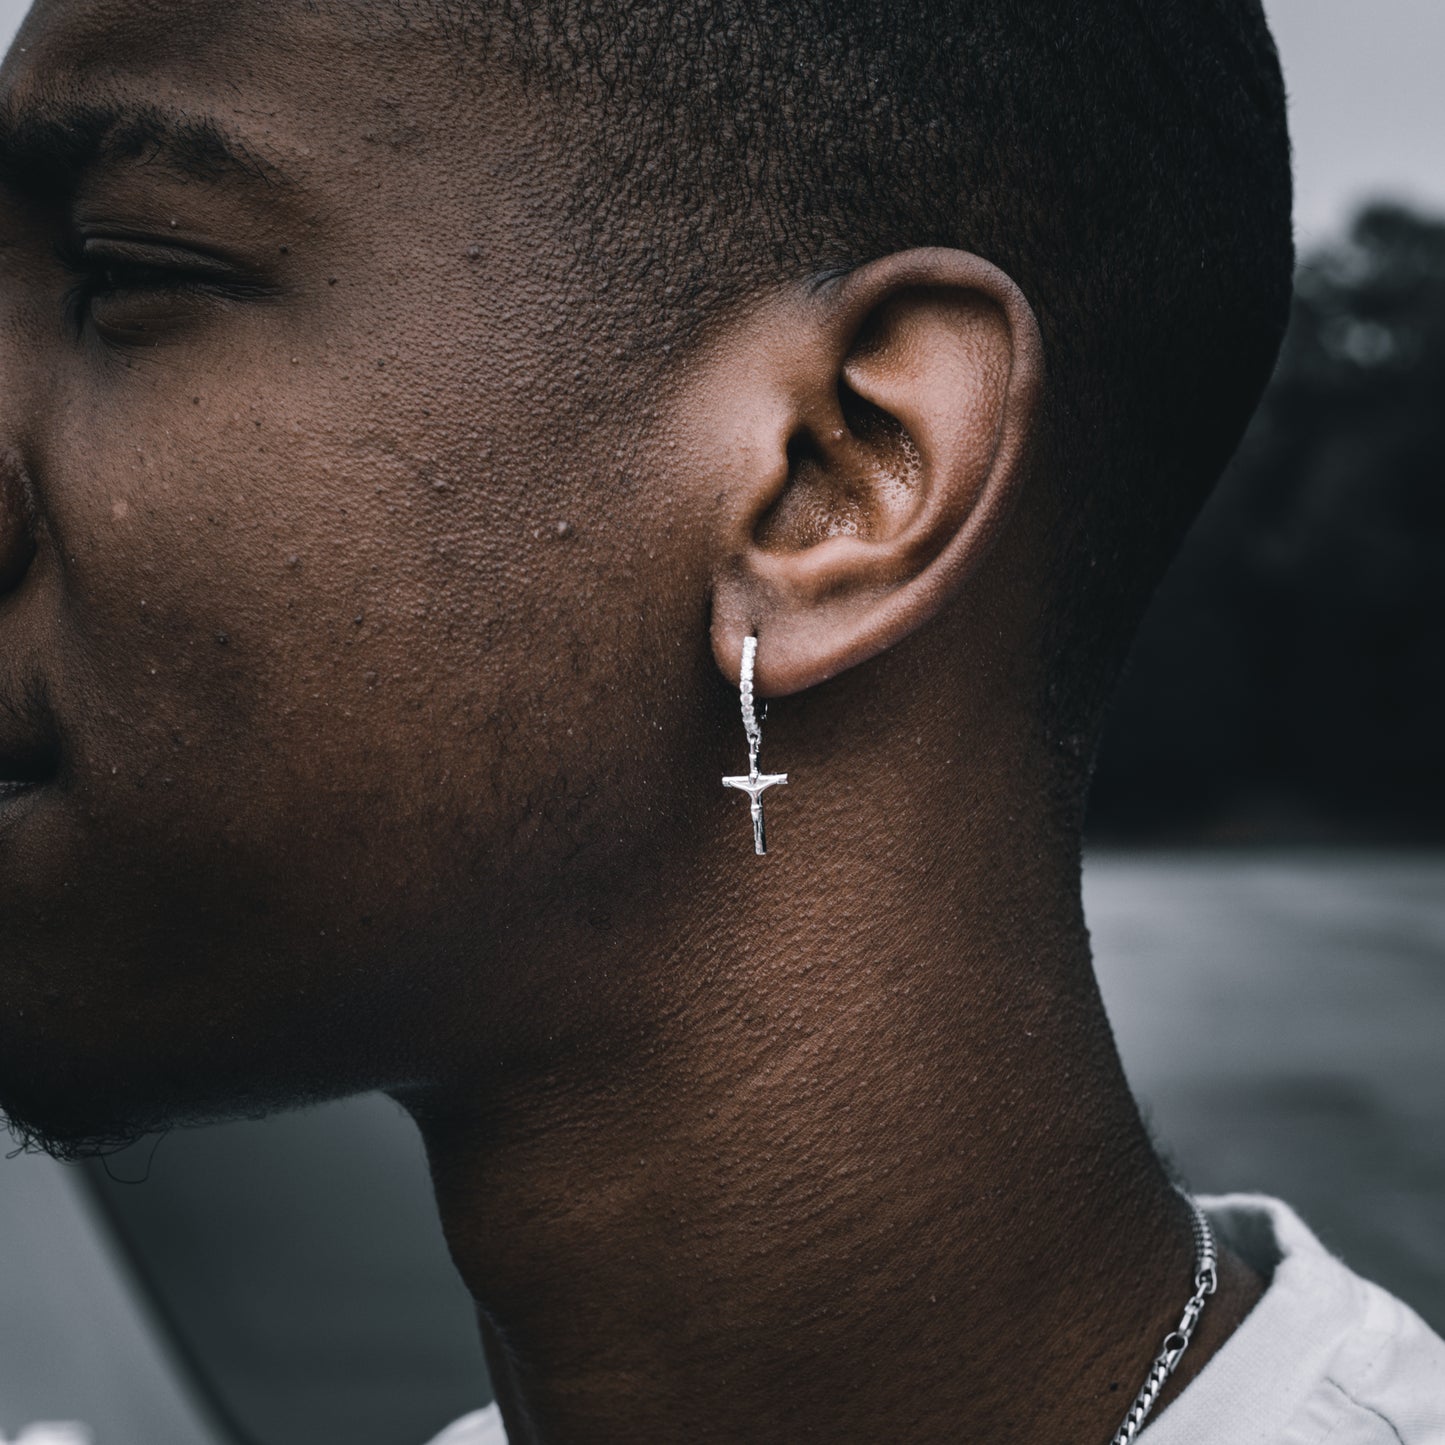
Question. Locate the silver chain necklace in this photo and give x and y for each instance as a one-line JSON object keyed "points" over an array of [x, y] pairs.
{"points": [[1206, 1278]]}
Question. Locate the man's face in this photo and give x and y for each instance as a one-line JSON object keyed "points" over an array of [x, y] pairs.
{"points": [[323, 644]]}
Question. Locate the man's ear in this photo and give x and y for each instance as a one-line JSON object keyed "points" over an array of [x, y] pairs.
{"points": [[881, 462]]}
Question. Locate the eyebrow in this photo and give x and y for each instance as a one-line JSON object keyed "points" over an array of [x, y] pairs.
{"points": [[46, 150]]}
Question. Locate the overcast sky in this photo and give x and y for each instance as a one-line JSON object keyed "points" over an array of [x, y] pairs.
{"points": [[1366, 101]]}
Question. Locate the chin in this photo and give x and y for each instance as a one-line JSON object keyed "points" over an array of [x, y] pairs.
{"points": [[69, 1129], [74, 1095]]}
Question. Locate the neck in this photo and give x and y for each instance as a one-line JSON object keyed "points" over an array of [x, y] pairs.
{"points": [[874, 1173]]}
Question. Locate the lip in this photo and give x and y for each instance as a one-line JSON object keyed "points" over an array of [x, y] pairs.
{"points": [[29, 745], [24, 772], [17, 795], [23, 767]]}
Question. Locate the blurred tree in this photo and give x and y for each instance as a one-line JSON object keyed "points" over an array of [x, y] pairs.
{"points": [[1289, 681]]}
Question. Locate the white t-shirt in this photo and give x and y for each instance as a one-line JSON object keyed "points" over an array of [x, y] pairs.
{"points": [[1324, 1358], [482, 1427]]}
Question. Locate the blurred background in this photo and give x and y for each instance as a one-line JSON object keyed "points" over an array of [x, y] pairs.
{"points": [[1265, 884]]}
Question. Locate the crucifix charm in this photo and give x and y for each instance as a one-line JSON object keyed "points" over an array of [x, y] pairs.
{"points": [[753, 783]]}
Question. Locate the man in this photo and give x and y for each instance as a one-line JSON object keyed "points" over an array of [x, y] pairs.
{"points": [[411, 411]]}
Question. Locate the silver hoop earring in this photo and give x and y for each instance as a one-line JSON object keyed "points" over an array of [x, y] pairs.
{"points": [[755, 783]]}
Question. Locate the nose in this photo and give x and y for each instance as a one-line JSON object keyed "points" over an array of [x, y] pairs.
{"points": [[17, 522]]}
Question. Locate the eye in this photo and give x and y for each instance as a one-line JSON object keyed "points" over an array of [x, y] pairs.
{"points": [[133, 293], [106, 278]]}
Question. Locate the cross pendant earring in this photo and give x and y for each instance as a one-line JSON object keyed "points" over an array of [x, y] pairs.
{"points": [[754, 784]]}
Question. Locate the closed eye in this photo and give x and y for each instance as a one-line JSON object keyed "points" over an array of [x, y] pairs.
{"points": [[113, 272]]}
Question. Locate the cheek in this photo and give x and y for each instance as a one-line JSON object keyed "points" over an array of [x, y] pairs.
{"points": [[323, 608], [267, 642], [215, 557]]}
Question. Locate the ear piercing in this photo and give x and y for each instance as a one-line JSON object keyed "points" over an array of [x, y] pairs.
{"points": [[755, 783]]}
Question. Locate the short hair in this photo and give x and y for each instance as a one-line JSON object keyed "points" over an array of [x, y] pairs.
{"points": [[1125, 161]]}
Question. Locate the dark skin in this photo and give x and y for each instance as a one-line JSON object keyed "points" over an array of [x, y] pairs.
{"points": [[368, 653]]}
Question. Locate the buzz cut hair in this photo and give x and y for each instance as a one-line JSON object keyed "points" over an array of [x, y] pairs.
{"points": [[1126, 162]]}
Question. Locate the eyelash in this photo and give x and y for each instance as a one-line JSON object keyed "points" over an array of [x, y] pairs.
{"points": [[95, 276]]}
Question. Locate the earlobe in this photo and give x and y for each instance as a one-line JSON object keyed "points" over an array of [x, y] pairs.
{"points": [[897, 456]]}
